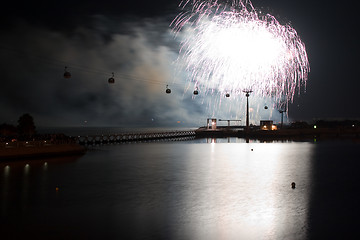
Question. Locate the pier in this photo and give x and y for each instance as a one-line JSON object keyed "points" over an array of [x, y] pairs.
{"points": [[136, 137]]}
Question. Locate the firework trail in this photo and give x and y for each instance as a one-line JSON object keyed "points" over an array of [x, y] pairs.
{"points": [[229, 47]]}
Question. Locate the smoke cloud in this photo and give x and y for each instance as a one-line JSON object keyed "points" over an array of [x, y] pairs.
{"points": [[142, 54]]}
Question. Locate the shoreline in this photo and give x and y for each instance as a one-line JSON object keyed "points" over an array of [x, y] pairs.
{"points": [[281, 134], [19, 150], [22, 150]]}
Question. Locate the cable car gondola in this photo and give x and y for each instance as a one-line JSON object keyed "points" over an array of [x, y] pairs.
{"points": [[227, 95], [196, 92], [168, 90], [112, 79], [67, 74]]}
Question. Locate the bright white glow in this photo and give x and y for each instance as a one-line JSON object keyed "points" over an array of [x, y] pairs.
{"points": [[230, 47]]}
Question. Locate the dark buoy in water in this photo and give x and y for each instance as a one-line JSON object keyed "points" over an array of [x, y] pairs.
{"points": [[293, 185]]}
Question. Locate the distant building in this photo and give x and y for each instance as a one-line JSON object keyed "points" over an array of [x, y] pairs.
{"points": [[211, 123], [267, 125]]}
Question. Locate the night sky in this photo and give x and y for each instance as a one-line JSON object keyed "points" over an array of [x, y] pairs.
{"points": [[133, 39]]}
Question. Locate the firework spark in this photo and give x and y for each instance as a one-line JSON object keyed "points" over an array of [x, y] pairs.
{"points": [[230, 47]]}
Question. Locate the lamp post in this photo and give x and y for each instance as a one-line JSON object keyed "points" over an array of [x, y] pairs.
{"points": [[247, 94], [282, 117]]}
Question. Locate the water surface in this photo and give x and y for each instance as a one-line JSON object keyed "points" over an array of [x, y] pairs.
{"points": [[200, 189]]}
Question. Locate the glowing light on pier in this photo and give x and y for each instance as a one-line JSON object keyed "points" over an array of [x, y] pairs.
{"points": [[229, 47]]}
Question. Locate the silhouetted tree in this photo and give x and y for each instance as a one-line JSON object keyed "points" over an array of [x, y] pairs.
{"points": [[26, 126]]}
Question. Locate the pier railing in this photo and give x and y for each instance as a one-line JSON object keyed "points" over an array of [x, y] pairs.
{"points": [[136, 137]]}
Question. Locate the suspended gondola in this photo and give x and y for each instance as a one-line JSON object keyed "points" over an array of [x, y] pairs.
{"points": [[67, 74], [112, 79], [168, 90]]}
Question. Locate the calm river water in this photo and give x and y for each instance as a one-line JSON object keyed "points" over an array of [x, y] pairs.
{"points": [[197, 189]]}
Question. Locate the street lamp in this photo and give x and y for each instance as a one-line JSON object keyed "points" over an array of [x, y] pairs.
{"points": [[247, 94], [282, 117]]}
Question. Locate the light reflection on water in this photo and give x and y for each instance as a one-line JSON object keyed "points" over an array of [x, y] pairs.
{"points": [[245, 191], [166, 190]]}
